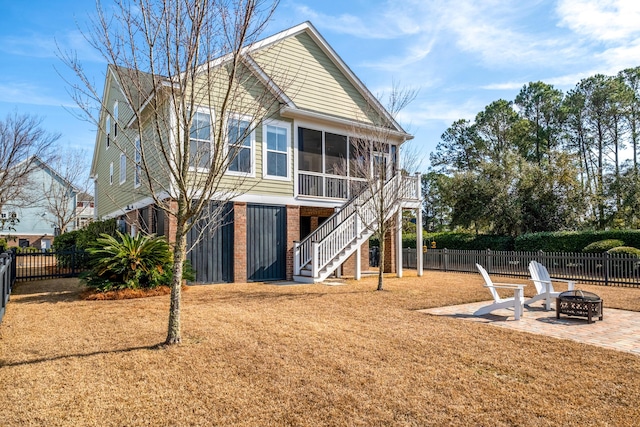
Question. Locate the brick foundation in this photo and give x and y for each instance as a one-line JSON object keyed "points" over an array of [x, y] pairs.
{"points": [[293, 235], [240, 242], [390, 247]]}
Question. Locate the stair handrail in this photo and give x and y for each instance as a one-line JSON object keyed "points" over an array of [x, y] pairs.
{"points": [[303, 250]]}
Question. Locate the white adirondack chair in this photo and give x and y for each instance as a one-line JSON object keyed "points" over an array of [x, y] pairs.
{"points": [[516, 302], [544, 284]]}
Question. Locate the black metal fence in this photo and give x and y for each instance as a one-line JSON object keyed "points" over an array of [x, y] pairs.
{"points": [[7, 278], [48, 264], [604, 269]]}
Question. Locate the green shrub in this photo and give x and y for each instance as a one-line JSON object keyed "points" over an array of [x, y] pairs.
{"points": [[602, 246], [125, 262], [572, 241], [457, 241], [3, 245], [628, 250]]}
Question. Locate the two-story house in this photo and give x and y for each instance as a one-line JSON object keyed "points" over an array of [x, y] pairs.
{"points": [[298, 217], [48, 202]]}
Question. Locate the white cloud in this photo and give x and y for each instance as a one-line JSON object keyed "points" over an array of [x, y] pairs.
{"points": [[603, 20], [24, 93], [36, 45], [503, 86]]}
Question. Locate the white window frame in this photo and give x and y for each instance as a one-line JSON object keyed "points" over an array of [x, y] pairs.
{"points": [[123, 167], [265, 150], [111, 173], [210, 113], [107, 127], [137, 170], [251, 147], [116, 116]]}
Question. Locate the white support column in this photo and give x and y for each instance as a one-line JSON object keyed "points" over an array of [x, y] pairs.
{"points": [[419, 242], [399, 242], [358, 274]]}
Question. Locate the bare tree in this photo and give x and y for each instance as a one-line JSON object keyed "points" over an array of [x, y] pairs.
{"points": [[192, 102], [22, 141], [70, 179], [375, 161]]}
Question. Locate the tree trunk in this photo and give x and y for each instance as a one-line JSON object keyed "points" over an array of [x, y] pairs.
{"points": [[381, 263], [174, 335]]}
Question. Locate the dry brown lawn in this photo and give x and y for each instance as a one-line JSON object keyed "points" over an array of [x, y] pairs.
{"points": [[269, 355]]}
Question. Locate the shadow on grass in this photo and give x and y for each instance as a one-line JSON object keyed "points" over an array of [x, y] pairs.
{"points": [[159, 346]]}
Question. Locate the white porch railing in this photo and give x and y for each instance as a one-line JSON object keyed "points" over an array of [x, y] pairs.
{"points": [[353, 223]]}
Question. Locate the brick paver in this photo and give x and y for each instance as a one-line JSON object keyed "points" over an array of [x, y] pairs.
{"points": [[619, 330]]}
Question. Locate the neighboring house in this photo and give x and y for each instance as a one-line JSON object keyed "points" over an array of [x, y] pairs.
{"points": [[85, 210], [47, 197], [295, 197]]}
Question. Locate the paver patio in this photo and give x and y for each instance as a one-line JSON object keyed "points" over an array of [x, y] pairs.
{"points": [[619, 330]]}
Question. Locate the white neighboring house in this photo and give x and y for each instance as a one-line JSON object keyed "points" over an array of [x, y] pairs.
{"points": [[48, 203]]}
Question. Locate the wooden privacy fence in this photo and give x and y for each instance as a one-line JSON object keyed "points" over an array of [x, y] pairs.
{"points": [[7, 278], [604, 269]]}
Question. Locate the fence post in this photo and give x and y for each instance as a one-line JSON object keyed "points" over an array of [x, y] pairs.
{"points": [[489, 261], [445, 255], [606, 268]]}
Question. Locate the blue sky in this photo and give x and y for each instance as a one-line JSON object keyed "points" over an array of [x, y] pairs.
{"points": [[460, 55]]}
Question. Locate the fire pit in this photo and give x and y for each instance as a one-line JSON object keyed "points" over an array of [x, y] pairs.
{"points": [[579, 303]]}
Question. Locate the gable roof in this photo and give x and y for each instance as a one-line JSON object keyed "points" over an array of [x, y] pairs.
{"points": [[306, 28], [144, 84]]}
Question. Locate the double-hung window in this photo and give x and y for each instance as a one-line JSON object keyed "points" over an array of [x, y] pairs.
{"points": [[115, 119], [277, 143], [240, 145], [200, 140], [107, 131], [138, 160], [123, 168]]}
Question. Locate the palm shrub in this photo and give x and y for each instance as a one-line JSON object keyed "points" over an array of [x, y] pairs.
{"points": [[126, 262]]}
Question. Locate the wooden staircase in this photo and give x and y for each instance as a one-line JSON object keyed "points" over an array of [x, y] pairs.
{"points": [[341, 235]]}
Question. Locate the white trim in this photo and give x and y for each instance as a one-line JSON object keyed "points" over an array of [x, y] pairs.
{"points": [[345, 125], [107, 135], [137, 163], [251, 147], [116, 116], [280, 124], [123, 170], [147, 201], [208, 111]]}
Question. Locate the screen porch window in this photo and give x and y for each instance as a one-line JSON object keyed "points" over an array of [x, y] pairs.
{"points": [[200, 140], [239, 145]]}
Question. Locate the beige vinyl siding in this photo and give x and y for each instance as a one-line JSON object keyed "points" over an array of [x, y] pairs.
{"points": [[115, 197], [313, 82], [250, 98]]}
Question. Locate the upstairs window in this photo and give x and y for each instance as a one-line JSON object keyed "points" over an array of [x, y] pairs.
{"points": [[111, 173], [123, 167], [276, 136], [138, 160], [107, 130], [240, 145], [200, 140], [116, 118]]}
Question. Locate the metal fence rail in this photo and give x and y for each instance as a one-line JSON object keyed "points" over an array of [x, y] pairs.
{"points": [[7, 278], [48, 264], [605, 269]]}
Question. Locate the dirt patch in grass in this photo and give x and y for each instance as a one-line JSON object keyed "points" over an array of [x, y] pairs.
{"points": [[267, 355]]}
